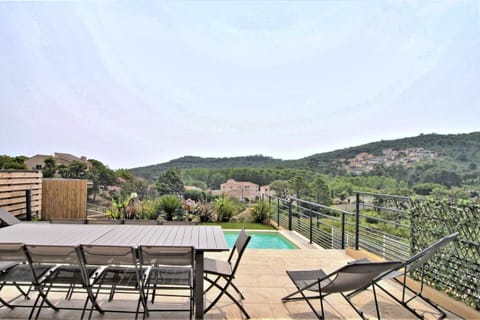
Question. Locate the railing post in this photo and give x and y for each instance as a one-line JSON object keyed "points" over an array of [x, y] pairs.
{"points": [[343, 230], [28, 202], [357, 222], [311, 228], [278, 212], [290, 214]]}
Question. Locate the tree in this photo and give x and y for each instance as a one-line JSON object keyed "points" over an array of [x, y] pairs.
{"points": [[322, 192], [100, 175], [169, 182], [15, 163], [49, 169], [445, 177], [75, 170], [298, 184], [425, 189], [124, 174], [280, 187], [137, 185]]}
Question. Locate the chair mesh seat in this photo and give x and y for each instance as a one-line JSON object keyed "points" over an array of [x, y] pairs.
{"points": [[305, 278], [4, 265], [23, 273], [68, 274], [118, 276], [171, 276], [219, 267]]}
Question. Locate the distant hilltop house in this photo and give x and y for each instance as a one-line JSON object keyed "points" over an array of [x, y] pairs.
{"points": [[37, 162], [242, 190], [365, 162]]}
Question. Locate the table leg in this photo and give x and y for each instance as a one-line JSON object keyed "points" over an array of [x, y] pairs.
{"points": [[198, 291]]}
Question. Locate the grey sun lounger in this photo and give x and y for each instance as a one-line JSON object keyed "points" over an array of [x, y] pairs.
{"points": [[416, 263], [347, 279], [8, 218]]}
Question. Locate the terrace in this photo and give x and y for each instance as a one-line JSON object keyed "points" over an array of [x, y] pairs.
{"points": [[328, 238], [263, 281]]}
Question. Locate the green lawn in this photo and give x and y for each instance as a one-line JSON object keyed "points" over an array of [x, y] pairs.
{"points": [[240, 225]]}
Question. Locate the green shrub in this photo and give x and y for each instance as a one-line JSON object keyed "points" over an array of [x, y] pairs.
{"points": [[123, 208], [171, 205], [261, 212], [194, 195], [149, 209], [204, 212], [225, 208]]}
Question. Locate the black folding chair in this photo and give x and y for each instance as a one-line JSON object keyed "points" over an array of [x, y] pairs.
{"points": [[66, 276], [345, 280], [171, 270], [15, 272], [120, 273], [219, 269]]}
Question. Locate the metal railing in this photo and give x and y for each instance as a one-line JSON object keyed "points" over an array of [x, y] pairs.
{"points": [[369, 227], [96, 208], [395, 228]]}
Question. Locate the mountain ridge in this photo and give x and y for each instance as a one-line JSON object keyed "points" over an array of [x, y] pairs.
{"points": [[458, 150]]}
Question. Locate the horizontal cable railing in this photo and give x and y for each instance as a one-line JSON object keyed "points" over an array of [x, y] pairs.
{"points": [[336, 229], [395, 228]]}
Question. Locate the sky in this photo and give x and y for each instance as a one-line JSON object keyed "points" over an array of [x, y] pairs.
{"points": [[135, 83]]}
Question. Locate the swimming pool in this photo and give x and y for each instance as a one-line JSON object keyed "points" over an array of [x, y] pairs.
{"points": [[262, 240]]}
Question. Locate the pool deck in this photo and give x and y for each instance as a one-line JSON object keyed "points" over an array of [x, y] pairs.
{"points": [[262, 279]]}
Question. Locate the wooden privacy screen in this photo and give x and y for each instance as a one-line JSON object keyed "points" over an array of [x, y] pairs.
{"points": [[64, 198], [13, 191]]}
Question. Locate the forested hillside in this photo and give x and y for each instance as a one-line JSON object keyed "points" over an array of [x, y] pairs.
{"points": [[188, 162], [457, 151], [425, 164]]}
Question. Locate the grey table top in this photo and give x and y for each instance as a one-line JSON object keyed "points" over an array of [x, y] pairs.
{"points": [[203, 238]]}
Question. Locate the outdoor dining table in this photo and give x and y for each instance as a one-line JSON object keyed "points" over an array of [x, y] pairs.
{"points": [[202, 238]]}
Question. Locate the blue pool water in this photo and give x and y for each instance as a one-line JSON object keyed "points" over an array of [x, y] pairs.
{"points": [[262, 240]]}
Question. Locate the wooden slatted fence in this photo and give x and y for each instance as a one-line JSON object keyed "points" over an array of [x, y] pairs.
{"points": [[64, 199], [14, 185]]}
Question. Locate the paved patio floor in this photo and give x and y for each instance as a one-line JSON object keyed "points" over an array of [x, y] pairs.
{"points": [[262, 279]]}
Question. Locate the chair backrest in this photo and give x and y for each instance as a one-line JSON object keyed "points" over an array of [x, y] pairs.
{"points": [[238, 249], [140, 221], [58, 254], [68, 221], [357, 275], [105, 255], [418, 260], [104, 221], [169, 256], [12, 252], [52, 254], [8, 218]]}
